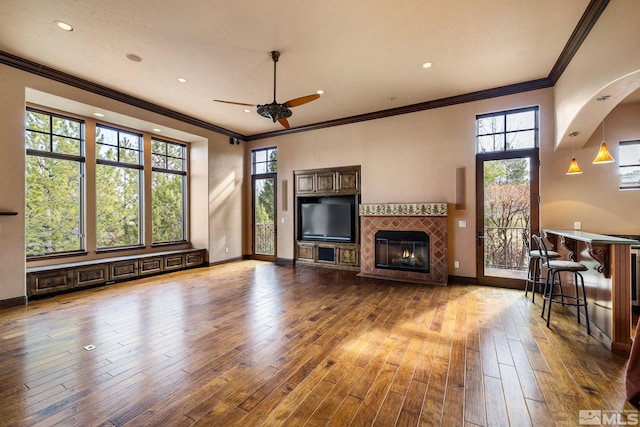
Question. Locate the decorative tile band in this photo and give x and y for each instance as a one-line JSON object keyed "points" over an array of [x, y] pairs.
{"points": [[404, 209]]}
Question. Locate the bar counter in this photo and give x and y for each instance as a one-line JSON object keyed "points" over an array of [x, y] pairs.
{"points": [[607, 282]]}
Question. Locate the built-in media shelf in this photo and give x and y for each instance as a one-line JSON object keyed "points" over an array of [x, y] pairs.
{"points": [[327, 224]]}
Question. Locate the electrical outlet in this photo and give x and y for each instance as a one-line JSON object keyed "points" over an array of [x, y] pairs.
{"points": [[283, 220], [577, 225], [226, 250], [462, 223], [456, 264]]}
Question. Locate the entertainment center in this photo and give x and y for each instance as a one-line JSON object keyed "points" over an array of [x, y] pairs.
{"points": [[327, 224]]}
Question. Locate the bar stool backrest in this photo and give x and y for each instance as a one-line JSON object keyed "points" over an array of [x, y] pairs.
{"points": [[527, 246], [542, 247]]}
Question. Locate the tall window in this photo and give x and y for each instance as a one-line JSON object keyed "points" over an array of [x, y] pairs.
{"points": [[507, 130], [54, 177], [264, 168], [119, 165], [168, 191], [629, 164]]}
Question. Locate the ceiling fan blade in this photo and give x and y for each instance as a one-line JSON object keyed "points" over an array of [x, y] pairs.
{"points": [[235, 103], [284, 123], [302, 100]]}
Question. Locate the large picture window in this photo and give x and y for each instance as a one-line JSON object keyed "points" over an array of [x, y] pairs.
{"points": [[168, 191], [55, 165], [119, 165]]}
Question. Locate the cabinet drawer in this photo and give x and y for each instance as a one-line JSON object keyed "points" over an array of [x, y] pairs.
{"points": [[49, 281], [173, 262], [196, 258], [123, 270], [151, 265], [91, 275]]}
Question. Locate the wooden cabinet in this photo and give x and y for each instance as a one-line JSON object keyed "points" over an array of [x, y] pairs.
{"points": [[316, 185], [58, 278], [344, 180]]}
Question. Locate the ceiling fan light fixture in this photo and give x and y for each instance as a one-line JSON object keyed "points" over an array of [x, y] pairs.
{"points": [[274, 111]]}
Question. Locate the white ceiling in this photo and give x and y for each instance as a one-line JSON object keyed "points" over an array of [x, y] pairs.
{"points": [[366, 55]]}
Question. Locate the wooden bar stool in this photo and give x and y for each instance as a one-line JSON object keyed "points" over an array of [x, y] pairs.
{"points": [[533, 273], [554, 268]]}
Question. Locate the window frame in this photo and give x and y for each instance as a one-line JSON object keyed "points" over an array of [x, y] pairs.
{"points": [[505, 132], [268, 162], [185, 186], [80, 158], [622, 166], [127, 165]]}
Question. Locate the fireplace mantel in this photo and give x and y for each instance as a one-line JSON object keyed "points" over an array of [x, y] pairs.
{"points": [[428, 217]]}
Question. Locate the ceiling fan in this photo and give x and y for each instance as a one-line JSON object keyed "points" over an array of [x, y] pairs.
{"points": [[275, 111]]}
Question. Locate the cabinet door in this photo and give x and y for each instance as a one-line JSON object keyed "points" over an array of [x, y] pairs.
{"points": [[91, 275], [173, 262], [151, 265], [46, 282], [122, 270], [348, 255], [306, 252], [305, 183], [326, 182], [195, 258], [348, 181]]}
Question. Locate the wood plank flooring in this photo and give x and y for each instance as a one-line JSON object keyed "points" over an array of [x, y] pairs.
{"points": [[251, 343]]}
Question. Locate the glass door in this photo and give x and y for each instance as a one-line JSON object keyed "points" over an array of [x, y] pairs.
{"points": [[507, 205], [264, 224]]}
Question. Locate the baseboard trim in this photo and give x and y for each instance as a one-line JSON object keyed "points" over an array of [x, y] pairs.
{"points": [[226, 261], [284, 262], [13, 302], [462, 280]]}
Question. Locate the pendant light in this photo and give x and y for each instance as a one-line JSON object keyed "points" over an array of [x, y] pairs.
{"points": [[574, 169], [603, 155]]}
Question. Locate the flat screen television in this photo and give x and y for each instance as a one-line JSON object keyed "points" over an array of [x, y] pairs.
{"points": [[329, 222]]}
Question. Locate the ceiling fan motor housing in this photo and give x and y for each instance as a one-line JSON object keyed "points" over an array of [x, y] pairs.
{"points": [[274, 111]]}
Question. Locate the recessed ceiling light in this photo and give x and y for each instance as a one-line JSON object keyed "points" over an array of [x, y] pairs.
{"points": [[156, 130], [63, 25], [427, 65], [98, 114], [320, 92], [133, 57], [182, 80], [246, 110]]}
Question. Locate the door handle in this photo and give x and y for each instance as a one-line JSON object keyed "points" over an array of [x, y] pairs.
{"points": [[480, 238]]}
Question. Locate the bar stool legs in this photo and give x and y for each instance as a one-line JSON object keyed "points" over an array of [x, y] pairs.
{"points": [[578, 300]]}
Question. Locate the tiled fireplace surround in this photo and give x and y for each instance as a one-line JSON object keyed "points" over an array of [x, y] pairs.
{"points": [[428, 217]]}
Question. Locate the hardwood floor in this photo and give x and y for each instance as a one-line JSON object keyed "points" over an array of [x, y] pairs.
{"points": [[251, 343]]}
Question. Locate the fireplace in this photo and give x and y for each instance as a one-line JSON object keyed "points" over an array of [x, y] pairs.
{"points": [[404, 242], [402, 250]]}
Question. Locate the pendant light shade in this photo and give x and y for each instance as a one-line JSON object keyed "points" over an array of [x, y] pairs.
{"points": [[603, 155], [574, 169]]}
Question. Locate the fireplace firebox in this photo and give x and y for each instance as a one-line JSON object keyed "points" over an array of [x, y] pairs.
{"points": [[402, 250]]}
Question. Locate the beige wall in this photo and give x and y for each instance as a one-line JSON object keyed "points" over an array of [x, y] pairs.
{"points": [[214, 221], [408, 158], [593, 197]]}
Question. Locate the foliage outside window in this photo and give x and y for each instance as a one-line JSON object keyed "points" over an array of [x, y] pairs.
{"points": [[118, 187], [168, 191], [54, 178], [629, 164], [506, 131]]}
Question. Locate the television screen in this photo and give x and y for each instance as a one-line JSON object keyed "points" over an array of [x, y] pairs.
{"points": [[326, 221]]}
